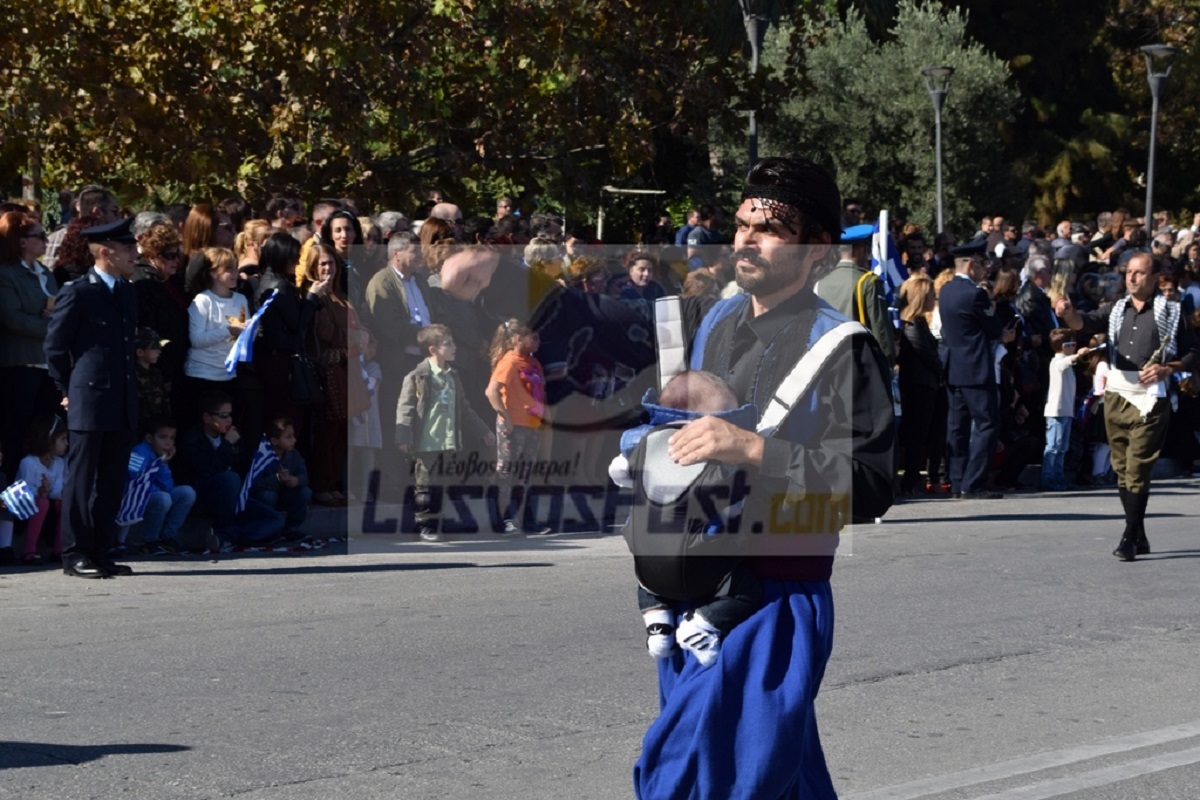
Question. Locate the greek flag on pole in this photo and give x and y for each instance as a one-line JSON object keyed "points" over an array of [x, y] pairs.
{"points": [[264, 459], [885, 262], [243, 348], [19, 500], [137, 494]]}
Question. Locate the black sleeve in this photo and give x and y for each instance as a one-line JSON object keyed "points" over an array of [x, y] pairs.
{"points": [[856, 440]]}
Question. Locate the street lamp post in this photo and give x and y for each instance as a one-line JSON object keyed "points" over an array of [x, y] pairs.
{"points": [[756, 20], [937, 83], [1160, 55]]}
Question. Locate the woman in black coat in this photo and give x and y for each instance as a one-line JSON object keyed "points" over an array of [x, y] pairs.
{"points": [[283, 327], [920, 373]]}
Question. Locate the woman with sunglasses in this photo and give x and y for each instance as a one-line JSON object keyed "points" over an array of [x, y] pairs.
{"points": [[27, 290], [162, 304]]}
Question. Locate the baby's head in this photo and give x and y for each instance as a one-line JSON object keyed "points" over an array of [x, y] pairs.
{"points": [[700, 391]]}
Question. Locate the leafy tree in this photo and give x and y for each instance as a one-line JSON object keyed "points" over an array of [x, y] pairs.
{"points": [[862, 106]]}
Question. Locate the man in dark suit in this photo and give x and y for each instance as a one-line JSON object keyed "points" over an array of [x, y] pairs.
{"points": [[969, 335], [90, 354], [399, 303]]}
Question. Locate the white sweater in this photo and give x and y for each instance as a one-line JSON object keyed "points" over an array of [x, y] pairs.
{"points": [[1060, 400], [208, 326]]}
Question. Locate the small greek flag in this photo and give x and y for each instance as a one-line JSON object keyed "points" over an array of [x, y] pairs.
{"points": [[264, 459], [243, 348], [137, 494], [885, 262], [19, 500]]}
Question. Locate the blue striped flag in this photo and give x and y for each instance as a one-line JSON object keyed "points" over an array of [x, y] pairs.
{"points": [[243, 348], [137, 494], [886, 263], [19, 500], [264, 459]]}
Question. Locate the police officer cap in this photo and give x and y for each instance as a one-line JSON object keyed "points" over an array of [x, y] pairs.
{"points": [[973, 248], [120, 232], [857, 233]]}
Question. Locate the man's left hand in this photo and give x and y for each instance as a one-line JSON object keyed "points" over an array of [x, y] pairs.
{"points": [[1153, 374], [713, 439]]}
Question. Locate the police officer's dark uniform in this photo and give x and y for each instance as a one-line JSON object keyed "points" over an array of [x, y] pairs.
{"points": [[90, 353]]}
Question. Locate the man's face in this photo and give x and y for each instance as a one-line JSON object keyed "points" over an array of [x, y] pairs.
{"points": [[767, 257], [106, 214], [404, 260], [1041, 278], [503, 208], [986, 225], [1140, 277], [1011, 234], [122, 257]]}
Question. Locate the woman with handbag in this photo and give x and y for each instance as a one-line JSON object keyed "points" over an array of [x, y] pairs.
{"points": [[331, 326]]}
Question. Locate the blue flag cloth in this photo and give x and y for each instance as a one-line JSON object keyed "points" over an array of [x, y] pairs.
{"points": [[19, 500], [243, 348], [886, 263], [137, 494], [264, 459]]}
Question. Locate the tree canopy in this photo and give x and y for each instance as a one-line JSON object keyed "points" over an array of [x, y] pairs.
{"points": [[185, 99]]}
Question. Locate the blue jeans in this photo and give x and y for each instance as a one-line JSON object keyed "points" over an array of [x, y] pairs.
{"points": [[165, 512], [1058, 439], [256, 523], [292, 502]]}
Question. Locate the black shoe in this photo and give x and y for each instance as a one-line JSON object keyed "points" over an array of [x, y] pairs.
{"points": [[85, 568], [1126, 550], [114, 569], [983, 494], [1143, 545]]}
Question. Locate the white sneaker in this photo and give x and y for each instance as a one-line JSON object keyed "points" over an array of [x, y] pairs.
{"points": [[696, 634]]}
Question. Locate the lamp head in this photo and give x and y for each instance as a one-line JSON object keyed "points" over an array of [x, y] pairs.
{"points": [[937, 78]]}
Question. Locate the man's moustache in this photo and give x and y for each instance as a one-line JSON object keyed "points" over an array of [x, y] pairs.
{"points": [[749, 256]]}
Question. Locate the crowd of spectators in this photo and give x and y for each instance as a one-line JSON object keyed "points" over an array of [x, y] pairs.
{"points": [[351, 293]]}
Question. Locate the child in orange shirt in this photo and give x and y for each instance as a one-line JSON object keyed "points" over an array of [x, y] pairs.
{"points": [[517, 392]]}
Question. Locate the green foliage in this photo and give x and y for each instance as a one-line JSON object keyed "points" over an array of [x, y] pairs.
{"points": [[861, 107]]}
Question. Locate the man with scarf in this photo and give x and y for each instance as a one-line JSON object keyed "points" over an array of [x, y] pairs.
{"points": [[1149, 340], [745, 727]]}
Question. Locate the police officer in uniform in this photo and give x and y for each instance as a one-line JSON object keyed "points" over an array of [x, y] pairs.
{"points": [[90, 353]]}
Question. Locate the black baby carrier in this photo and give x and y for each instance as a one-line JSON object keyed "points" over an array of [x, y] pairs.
{"points": [[688, 527]]}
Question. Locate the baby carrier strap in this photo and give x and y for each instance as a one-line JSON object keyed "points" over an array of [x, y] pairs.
{"points": [[671, 338], [800, 379]]}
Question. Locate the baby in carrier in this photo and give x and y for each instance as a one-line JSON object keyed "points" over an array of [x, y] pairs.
{"points": [[696, 625]]}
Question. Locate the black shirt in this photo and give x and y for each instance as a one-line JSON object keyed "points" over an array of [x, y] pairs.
{"points": [[1138, 338]]}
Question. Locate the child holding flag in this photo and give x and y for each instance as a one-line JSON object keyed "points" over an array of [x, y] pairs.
{"points": [[166, 505], [211, 452]]}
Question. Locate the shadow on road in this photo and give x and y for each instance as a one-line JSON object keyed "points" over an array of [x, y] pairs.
{"points": [[345, 569], [16, 755], [1031, 517]]}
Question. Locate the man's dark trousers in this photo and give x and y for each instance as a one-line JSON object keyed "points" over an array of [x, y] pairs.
{"points": [[971, 435]]}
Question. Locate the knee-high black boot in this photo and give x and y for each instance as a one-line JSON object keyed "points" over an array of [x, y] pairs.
{"points": [[1139, 501], [1127, 549]]}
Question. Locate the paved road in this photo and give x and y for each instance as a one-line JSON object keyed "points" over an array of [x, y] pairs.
{"points": [[984, 649]]}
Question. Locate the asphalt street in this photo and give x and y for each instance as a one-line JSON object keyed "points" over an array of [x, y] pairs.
{"points": [[984, 649]]}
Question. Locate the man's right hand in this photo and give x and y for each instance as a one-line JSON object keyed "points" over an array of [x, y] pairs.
{"points": [[232, 436]]}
